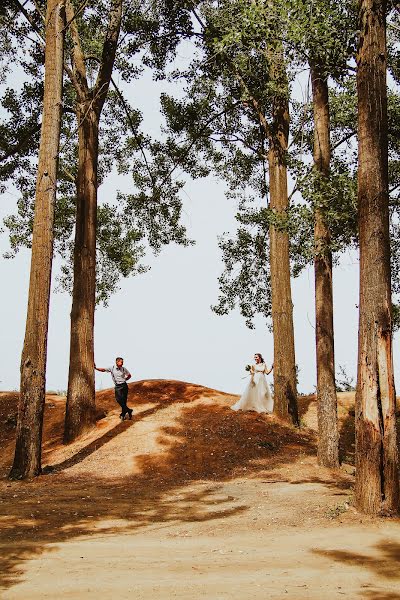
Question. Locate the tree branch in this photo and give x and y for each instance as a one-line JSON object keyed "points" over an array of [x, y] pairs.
{"points": [[28, 17], [17, 147], [261, 117], [43, 17], [236, 138], [195, 139], [108, 54], [68, 175], [71, 75], [79, 80], [77, 13], [345, 139], [132, 127], [198, 19]]}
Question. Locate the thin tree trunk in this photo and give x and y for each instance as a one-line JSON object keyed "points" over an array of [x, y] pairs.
{"points": [[285, 388], [80, 411], [377, 483], [328, 436], [27, 460]]}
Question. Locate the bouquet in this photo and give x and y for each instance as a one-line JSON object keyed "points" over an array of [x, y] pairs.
{"points": [[247, 368]]}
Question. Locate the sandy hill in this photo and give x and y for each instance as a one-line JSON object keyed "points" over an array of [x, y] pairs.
{"points": [[171, 417], [188, 500]]}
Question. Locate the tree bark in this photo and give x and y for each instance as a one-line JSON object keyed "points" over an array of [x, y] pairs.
{"points": [[81, 411], [285, 388], [377, 483], [27, 459], [328, 436]]}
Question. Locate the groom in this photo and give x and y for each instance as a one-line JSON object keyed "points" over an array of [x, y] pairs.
{"points": [[120, 375]]}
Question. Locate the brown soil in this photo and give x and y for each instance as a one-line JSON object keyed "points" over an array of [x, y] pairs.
{"points": [[189, 500]]}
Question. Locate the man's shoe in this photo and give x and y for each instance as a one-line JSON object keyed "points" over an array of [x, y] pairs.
{"points": [[130, 414], [122, 417]]}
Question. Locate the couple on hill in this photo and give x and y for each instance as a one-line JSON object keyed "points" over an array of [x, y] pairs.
{"points": [[257, 395]]}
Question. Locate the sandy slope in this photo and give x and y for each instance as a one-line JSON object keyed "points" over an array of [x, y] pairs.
{"points": [[190, 500]]}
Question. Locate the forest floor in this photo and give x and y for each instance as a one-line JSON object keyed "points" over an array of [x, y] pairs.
{"points": [[189, 500]]}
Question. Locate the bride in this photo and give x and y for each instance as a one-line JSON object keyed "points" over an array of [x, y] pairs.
{"points": [[257, 395]]}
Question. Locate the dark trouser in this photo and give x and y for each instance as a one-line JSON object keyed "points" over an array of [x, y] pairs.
{"points": [[121, 396]]}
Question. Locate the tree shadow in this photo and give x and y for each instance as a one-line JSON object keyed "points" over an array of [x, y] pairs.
{"points": [[142, 393], [376, 594], [338, 482], [98, 443], [208, 444], [385, 564], [161, 393]]}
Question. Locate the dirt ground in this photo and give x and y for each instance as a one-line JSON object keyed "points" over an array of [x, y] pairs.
{"points": [[189, 500]]}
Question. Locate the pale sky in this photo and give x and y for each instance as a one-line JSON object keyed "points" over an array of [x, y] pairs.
{"points": [[161, 322]]}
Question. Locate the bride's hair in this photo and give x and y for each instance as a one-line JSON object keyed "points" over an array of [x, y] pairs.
{"points": [[260, 356]]}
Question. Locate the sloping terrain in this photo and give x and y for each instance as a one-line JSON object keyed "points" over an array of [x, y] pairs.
{"points": [[189, 500]]}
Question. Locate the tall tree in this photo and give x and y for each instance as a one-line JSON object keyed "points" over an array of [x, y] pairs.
{"points": [[377, 478], [328, 435], [239, 94], [320, 36], [285, 379], [80, 410], [27, 460]]}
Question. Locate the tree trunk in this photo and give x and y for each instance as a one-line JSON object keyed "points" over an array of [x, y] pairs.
{"points": [[27, 460], [80, 411], [285, 388], [328, 436], [377, 483]]}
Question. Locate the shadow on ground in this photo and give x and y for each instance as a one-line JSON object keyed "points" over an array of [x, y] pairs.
{"points": [[385, 563], [208, 444]]}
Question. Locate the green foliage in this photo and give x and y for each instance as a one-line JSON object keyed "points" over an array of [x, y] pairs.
{"points": [[149, 217], [336, 197], [245, 282], [247, 56], [322, 32]]}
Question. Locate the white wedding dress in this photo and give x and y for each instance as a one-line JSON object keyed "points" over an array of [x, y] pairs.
{"points": [[257, 395]]}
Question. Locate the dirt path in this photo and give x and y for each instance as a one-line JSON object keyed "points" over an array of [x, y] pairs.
{"points": [[190, 500]]}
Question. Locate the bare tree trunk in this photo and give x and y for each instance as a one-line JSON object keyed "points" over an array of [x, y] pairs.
{"points": [[285, 388], [377, 482], [27, 460], [80, 411], [328, 436]]}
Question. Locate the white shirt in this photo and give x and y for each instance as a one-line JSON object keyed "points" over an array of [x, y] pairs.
{"points": [[118, 375]]}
